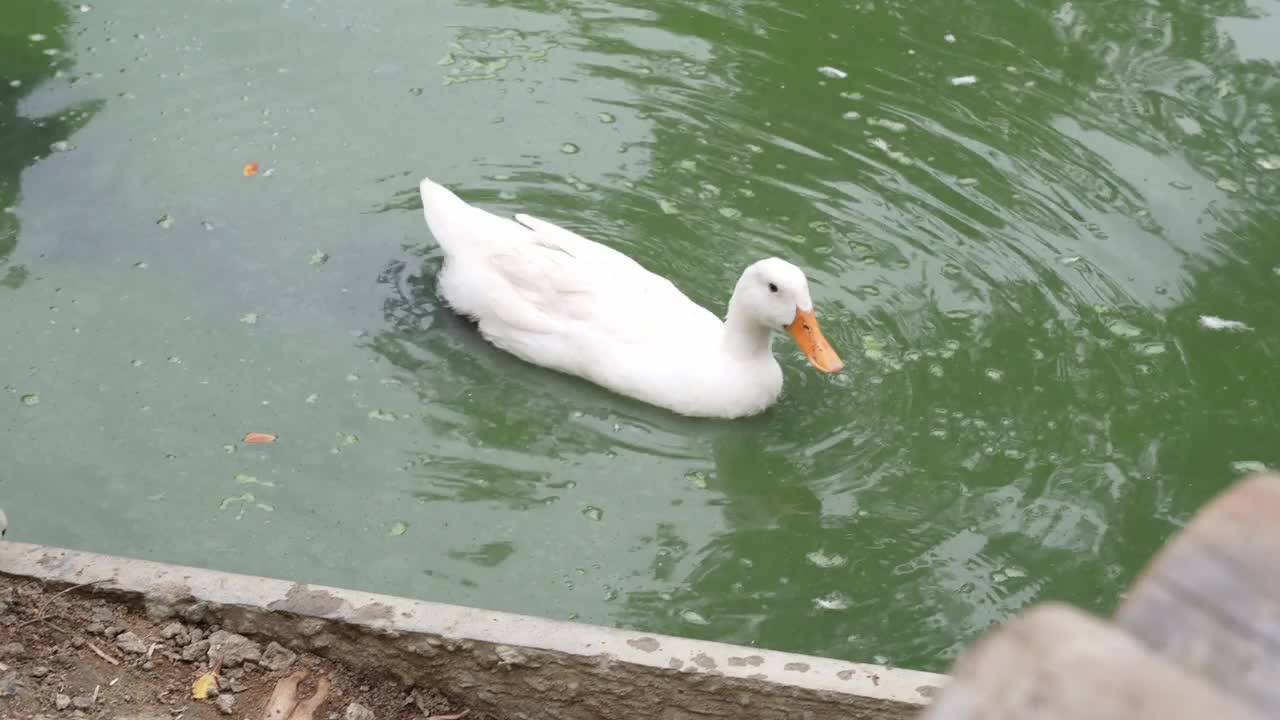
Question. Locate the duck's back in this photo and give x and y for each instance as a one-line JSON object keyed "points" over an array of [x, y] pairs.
{"points": [[555, 298]]}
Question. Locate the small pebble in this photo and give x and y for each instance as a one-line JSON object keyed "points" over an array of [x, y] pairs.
{"points": [[62, 702], [226, 704], [131, 643], [39, 671], [82, 702]]}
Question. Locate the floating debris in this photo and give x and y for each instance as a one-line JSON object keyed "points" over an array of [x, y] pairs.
{"points": [[890, 125], [592, 512], [852, 115], [1123, 328], [1228, 185], [319, 257], [249, 169], [62, 146], [832, 601], [606, 117], [1248, 466], [312, 399], [165, 221], [872, 347], [244, 479], [243, 499], [37, 37], [1179, 185], [964, 80], [382, 415], [823, 560], [694, 618], [398, 528], [249, 318], [949, 38], [30, 399], [697, 478], [832, 72], [1212, 322], [570, 149], [259, 438], [995, 375]]}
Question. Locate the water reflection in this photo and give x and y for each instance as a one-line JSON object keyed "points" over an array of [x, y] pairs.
{"points": [[1014, 269], [1019, 261], [33, 49]]}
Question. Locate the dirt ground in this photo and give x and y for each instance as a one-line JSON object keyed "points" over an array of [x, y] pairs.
{"points": [[78, 655]]}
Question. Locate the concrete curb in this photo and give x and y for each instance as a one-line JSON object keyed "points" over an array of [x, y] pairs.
{"points": [[512, 666]]}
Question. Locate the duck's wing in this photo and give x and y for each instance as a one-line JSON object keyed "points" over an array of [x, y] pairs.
{"points": [[571, 280]]}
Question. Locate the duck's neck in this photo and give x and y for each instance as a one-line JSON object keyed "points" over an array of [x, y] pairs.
{"points": [[744, 336]]}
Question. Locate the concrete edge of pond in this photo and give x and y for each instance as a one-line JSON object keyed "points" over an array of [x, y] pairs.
{"points": [[513, 666]]}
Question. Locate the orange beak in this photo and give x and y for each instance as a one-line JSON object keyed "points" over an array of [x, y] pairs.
{"points": [[815, 347]]}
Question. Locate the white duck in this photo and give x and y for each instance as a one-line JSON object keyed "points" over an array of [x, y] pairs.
{"points": [[554, 298]]}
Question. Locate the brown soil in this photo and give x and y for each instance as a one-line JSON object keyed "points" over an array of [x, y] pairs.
{"points": [[49, 668]]}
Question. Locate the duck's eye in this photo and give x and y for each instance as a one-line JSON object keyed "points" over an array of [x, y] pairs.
{"points": [[773, 288]]}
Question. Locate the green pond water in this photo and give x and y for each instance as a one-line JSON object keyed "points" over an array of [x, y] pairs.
{"points": [[1030, 228]]}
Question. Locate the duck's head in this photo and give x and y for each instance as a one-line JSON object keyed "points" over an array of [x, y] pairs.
{"points": [[775, 294]]}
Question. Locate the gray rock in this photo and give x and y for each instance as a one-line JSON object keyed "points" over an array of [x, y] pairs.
{"points": [[356, 711], [234, 649], [39, 671], [226, 704], [277, 657], [82, 702], [62, 702], [102, 615], [95, 628], [112, 631], [172, 630], [12, 650], [195, 651], [195, 635], [10, 683], [195, 613], [77, 642], [131, 643]]}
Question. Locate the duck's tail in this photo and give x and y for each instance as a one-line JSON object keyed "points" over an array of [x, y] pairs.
{"points": [[443, 210]]}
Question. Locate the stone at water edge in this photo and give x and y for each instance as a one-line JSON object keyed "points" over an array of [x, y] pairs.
{"points": [[234, 649], [4, 523], [356, 711]]}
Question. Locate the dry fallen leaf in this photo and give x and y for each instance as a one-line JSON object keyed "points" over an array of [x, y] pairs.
{"points": [[203, 685], [250, 169], [257, 438]]}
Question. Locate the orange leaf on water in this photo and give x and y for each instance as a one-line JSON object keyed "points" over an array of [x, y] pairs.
{"points": [[257, 437], [250, 169]]}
